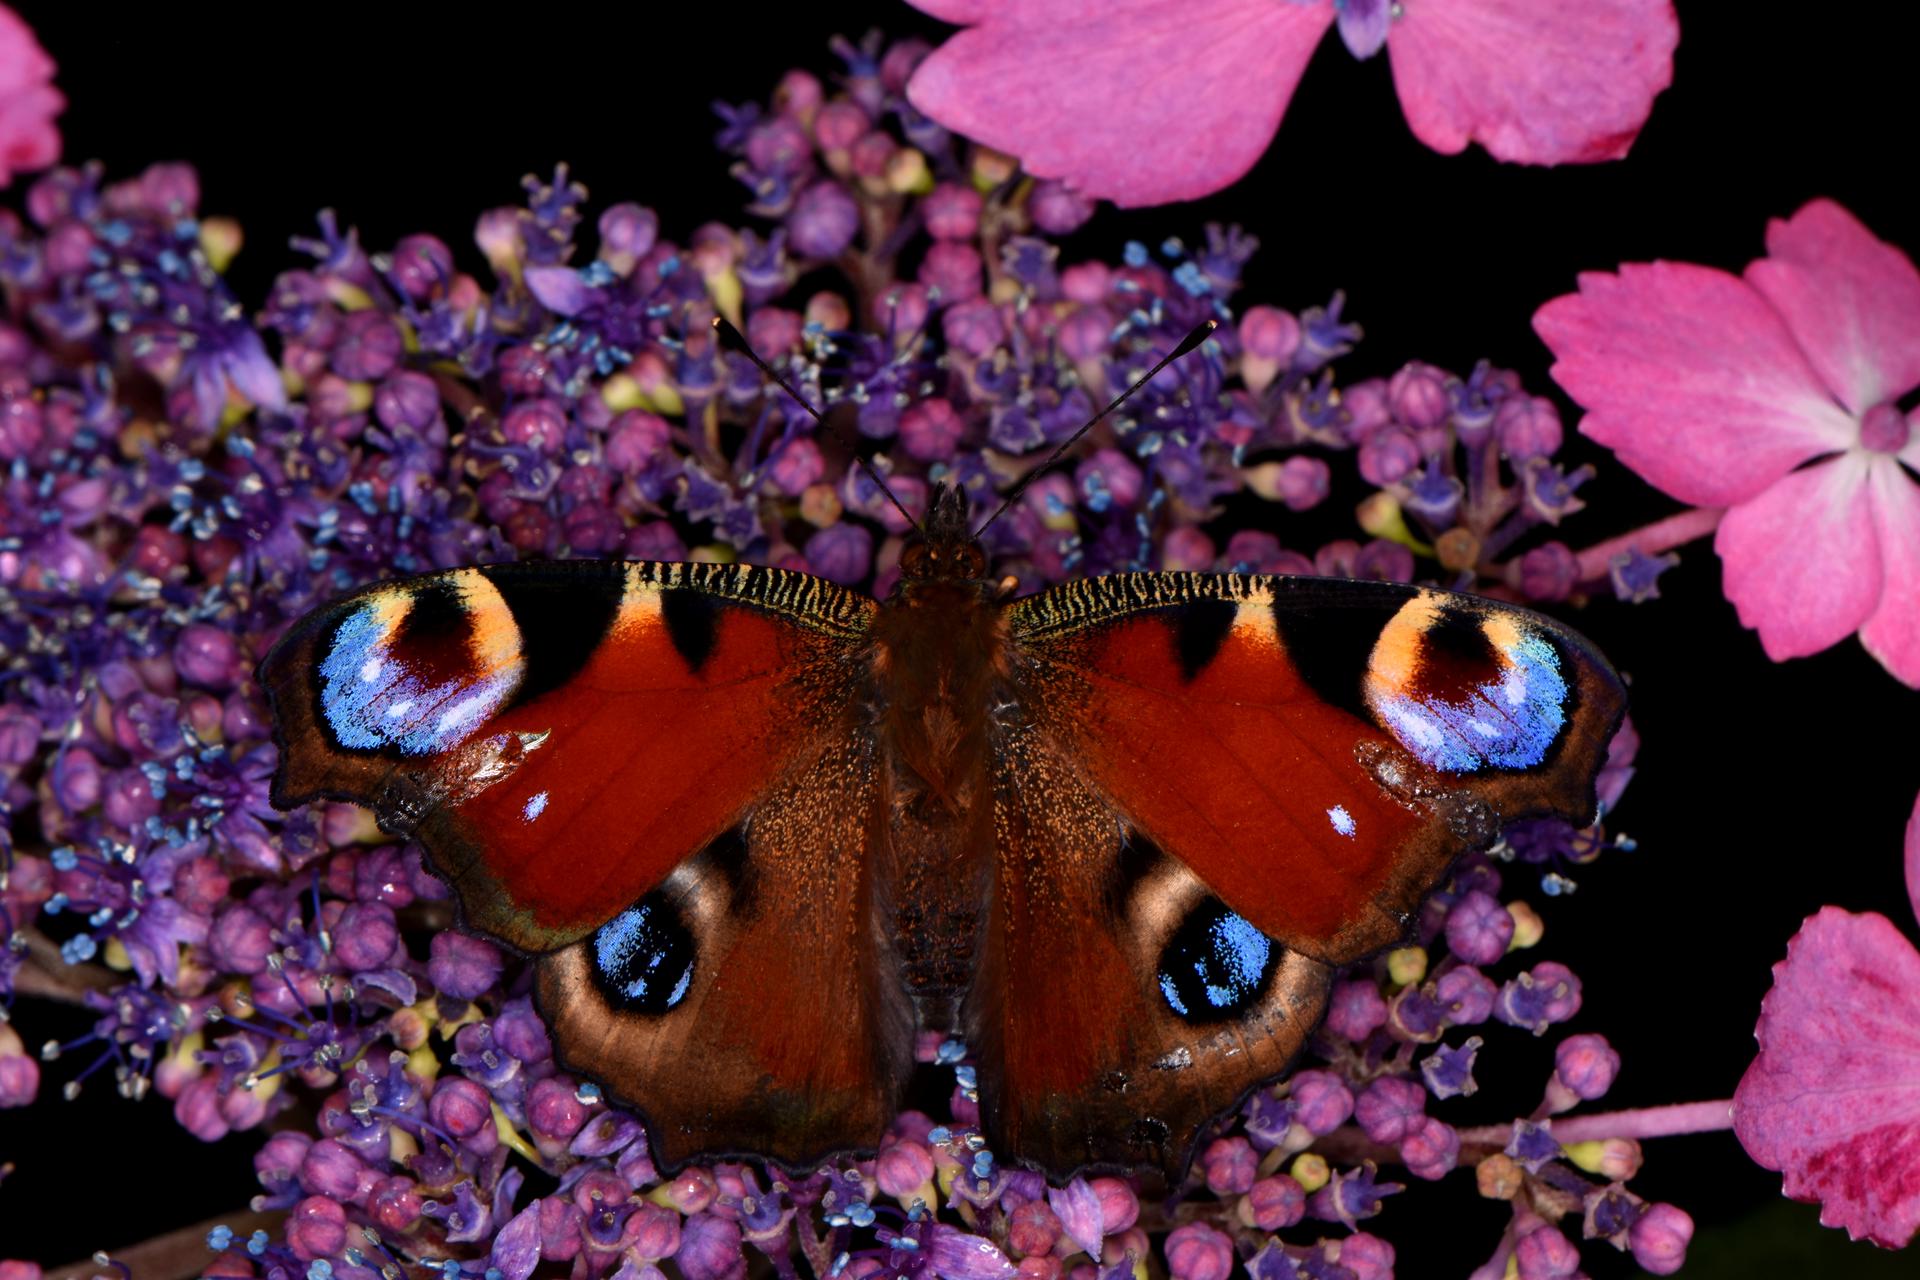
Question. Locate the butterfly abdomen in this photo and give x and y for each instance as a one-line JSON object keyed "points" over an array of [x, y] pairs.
{"points": [[937, 664]]}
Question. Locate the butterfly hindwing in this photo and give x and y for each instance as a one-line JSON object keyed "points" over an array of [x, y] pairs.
{"points": [[1303, 758], [564, 738]]}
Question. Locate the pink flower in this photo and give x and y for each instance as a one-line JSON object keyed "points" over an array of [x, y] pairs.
{"points": [[1718, 389], [1833, 1099], [1147, 101], [28, 100]]}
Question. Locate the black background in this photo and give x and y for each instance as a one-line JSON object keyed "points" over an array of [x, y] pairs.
{"points": [[1763, 790]]}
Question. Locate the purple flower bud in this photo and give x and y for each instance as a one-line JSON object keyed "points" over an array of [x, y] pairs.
{"points": [[1388, 455], [519, 1030], [840, 124], [207, 655], [240, 940], [973, 327], [823, 222], [365, 936], [841, 552], [1057, 209], [1273, 1204], [369, 346], [952, 267], [955, 1255], [774, 331], [278, 1160], [1187, 549], [1548, 572], [395, 1204], [1195, 1251], [1418, 395], [554, 1109], [627, 234], [1365, 409], [1546, 994], [19, 736], [19, 1076], [1321, 1101], [1448, 1072], [1479, 928], [1466, 996], [1528, 427], [1270, 334], [317, 1228], [1119, 1204], [692, 1190], [1586, 1064], [422, 264], [653, 1232], [331, 1169], [1032, 1229], [406, 399], [1660, 1237], [78, 780], [1544, 1254], [903, 1168], [1368, 1257], [1430, 1149], [930, 429], [1304, 482], [1230, 1165], [952, 211], [537, 424], [1389, 1108], [1383, 561], [462, 967], [710, 1249], [1356, 1009], [197, 1109], [460, 1106]]}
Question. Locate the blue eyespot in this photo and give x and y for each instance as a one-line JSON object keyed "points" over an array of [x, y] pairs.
{"points": [[643, 957], [1216, 964], [1509, 721]]}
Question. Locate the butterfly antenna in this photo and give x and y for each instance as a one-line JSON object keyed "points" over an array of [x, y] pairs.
{"points": [[1200, 334], [730, 334]]}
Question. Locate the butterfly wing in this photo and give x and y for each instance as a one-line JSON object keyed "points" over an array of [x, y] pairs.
{"points": [[1263, 777], [605, 761]]}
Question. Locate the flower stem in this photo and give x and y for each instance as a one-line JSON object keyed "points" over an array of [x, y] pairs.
{"points": [[46, 976], [1659, 536], [176, 1255], [1646, 1122]]}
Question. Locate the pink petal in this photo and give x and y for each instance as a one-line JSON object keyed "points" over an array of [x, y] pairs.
{"points": [[1913, 858], [959, 12], [1801, 562], [1691, 378], [1532, 81], [28, 101], [1852, 300], [1892, 634], [1833, 1099], [1136, 101]]}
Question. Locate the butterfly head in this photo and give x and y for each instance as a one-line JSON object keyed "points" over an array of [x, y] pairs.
{"points": [[945, 547]]}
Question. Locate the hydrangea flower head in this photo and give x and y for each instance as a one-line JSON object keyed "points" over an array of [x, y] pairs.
{"points": [[1776, 396], [1148, 101]]}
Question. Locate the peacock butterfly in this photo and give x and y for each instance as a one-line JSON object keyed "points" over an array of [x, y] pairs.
{"points": [[758, 829]]}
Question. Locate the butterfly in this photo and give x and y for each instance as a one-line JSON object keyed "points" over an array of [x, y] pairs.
{"points": [[758, 831]]}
